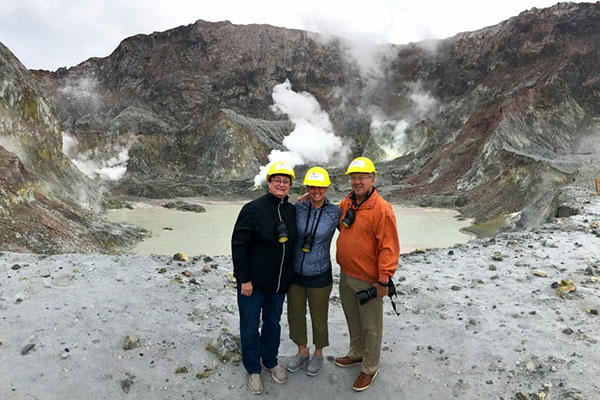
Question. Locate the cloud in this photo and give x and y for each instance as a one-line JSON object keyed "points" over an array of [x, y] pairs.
{"points": [[49, 34]]}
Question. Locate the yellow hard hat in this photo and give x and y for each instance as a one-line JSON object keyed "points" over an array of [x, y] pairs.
{"points": [[281, 168], [317, 176], [361, 164]]}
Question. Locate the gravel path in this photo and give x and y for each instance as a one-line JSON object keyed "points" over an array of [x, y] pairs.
{"points": [[478, 321]]}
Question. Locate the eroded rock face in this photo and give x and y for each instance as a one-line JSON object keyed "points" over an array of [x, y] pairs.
{"points": [[46, 204], [494, 121]]}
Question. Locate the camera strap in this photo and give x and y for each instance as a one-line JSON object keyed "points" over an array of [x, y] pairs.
{"points": [[392, 292], [313, 228], [394, 305]]}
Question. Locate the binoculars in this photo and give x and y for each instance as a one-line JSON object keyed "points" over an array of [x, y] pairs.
{"points": [[282, 232], [307, 243]]}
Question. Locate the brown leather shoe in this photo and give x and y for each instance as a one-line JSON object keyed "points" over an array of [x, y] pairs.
{"points": [[346, 361], [363, 381]]}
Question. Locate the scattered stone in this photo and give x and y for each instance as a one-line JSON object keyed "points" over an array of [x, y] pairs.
{"points": [[564, 211], [594, 279], [226, 347], [567, 331], [162, 270], [183, 206], [177, 280], [127, 382], [205, 374], [232, 280], [180, 257], [565, 286], [28, 349], [15, 267], [451, 253], [554, 285], [497, 256], [206, 269], [207, 259], [186, 273], [541, 273], [456, 287], [130, 342], [492, 267], [592, 311], [333, 379], [181, 370]]}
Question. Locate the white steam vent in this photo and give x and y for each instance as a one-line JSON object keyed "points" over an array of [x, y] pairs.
{"points": [[95, 165], [312, 141]]}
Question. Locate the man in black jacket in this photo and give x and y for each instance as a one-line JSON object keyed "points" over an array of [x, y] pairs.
{"points": [[262, 247]]}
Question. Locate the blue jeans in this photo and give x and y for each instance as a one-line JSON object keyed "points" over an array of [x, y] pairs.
{"points": [[263, 345]]}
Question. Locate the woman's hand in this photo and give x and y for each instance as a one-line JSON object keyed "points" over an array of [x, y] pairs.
{"points": [[303, 198], [247, 289]]}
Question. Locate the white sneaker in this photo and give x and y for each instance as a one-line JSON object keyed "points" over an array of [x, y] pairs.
{"points": [[255, 383], [278, 374]]}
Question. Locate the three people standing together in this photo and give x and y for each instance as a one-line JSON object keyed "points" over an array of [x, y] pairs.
{"points": [[266, 266]]}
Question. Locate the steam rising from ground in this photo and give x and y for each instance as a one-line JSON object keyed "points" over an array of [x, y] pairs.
{"points": [[390, 134], [95, 165], [372, 57], [312, 141]]}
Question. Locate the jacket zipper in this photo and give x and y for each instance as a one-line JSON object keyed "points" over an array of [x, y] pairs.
{"points": [[283, 254]]}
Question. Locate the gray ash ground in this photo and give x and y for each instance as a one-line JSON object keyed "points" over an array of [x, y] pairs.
{"points": [[475, 322]]}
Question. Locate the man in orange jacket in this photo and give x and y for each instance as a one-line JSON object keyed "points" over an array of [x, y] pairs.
{"points": [[367, 252]]}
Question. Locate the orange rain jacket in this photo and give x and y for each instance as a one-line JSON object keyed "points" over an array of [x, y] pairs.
{"points": [[369, 249]]}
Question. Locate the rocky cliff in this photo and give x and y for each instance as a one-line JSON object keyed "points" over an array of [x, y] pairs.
{"points": [[46, 203], [493, 121]]}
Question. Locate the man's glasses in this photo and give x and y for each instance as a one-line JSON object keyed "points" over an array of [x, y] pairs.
{"points": [[359, 178], [279, 181]]}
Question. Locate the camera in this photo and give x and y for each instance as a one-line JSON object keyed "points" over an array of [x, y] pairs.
{"points": [[282, 232], [348, 218], [307, 243], [364, 296]]}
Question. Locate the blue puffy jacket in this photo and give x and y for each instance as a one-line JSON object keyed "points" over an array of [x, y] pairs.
{"points": [[314, 269]]}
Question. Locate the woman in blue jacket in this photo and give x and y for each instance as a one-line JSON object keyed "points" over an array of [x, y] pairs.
{"points": [[316, 221]]}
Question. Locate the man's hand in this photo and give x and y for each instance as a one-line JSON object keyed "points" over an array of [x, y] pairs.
{"points": [[303, 198], [247, 289], [381, 290]]}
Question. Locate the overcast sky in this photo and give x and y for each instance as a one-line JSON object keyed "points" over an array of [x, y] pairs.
{"points": [[48, 34]]}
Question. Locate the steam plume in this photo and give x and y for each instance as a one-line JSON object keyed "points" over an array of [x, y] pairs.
{"points": [[93, 165], [312, 141]]}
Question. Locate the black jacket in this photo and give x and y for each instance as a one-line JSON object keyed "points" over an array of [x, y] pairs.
{"points": [[258, 256]]}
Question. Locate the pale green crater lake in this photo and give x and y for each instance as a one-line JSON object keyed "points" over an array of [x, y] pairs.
{"points": [[209, 233]]}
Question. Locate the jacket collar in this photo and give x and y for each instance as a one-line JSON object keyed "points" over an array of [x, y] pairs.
{"points": [[368, 202], [276, 200], [305, 204]]}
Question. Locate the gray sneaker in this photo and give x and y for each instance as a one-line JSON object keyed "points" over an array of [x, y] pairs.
{"points": [[314, 366], [255, 383], [295, 362], [278, 374]]}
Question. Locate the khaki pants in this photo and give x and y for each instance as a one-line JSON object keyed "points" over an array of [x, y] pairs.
{"points": [[365, 323], [318, 303]]}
